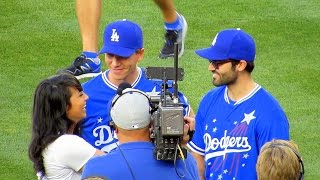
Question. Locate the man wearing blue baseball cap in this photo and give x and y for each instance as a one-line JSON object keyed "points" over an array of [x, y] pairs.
{"points": [[122, 38], [123, 49], [236, 118]]}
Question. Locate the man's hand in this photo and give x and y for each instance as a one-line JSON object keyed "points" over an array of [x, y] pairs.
{"points": [[188, 130]]}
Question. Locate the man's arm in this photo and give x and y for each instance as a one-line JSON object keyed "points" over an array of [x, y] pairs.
{"points": [[200, 163]]}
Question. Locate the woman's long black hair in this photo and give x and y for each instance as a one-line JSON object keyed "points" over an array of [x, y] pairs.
{"points": [[49, 119]]}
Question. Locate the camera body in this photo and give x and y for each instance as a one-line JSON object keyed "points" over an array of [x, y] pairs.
{"points": [[167, 116], [168, 129]]}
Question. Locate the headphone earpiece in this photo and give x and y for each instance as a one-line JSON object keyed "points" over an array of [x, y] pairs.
{"points": [[112, 124]]}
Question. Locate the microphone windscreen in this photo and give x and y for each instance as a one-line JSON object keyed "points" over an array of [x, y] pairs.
{"points": [[122, 87]]}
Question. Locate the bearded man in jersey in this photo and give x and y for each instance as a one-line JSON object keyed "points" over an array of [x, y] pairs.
{"points": [[235, 119]]}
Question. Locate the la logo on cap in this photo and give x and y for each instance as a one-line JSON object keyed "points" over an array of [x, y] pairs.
{"points": [[114, 37]]}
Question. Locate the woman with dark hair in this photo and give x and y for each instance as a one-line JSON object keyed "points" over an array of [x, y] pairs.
{"points": [[55, 150]]}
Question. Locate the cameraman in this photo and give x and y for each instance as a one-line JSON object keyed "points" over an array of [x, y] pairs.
{"points": [[133, 158]]}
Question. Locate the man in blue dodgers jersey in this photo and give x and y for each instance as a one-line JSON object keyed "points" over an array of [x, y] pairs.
{"points": [[235, 119], [134, 155], [123, 49]]}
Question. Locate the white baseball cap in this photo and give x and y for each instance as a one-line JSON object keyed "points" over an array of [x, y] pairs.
{"points": [[131, 109]]}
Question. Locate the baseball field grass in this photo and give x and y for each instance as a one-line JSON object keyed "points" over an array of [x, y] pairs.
{"points": [[39, 37]]}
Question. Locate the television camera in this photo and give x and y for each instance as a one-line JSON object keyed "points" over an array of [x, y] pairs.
{"points": [[167, 112]]}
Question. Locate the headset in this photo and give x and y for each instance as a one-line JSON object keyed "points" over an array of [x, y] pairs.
{"points": [[301, 176]]}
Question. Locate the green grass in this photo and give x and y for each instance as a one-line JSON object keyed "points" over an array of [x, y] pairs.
{"points": [[39, 37]]}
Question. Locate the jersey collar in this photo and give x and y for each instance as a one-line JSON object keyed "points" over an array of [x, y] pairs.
{"points": [[248, 96], [112, 86]]}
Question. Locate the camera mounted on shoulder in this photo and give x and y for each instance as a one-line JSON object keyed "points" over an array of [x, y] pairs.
{"points": [[167, 114]]}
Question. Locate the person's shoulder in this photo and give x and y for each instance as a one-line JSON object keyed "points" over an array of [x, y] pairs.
{"points": [[96, 159], [93, 81], [103, 160], [215, 91], [65, 140], [95, 165], [68, 138], [144, 78], [265, 96], [146, 85], [99, 86]]}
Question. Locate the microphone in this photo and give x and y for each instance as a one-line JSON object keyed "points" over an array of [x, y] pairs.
{"points": [[122, 87]]}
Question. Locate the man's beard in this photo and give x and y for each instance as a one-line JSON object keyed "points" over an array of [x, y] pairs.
{"points": [[224, 79]]}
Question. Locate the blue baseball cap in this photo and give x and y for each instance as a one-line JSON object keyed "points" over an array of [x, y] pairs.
{"points": [[122, 38], [230, 44]]}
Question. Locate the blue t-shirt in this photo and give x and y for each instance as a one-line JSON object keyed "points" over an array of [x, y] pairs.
{"points": [[135, 160], [230, 134], [95, 128]]}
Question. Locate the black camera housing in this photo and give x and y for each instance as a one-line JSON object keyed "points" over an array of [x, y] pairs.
{"points": [[168, 113]]}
